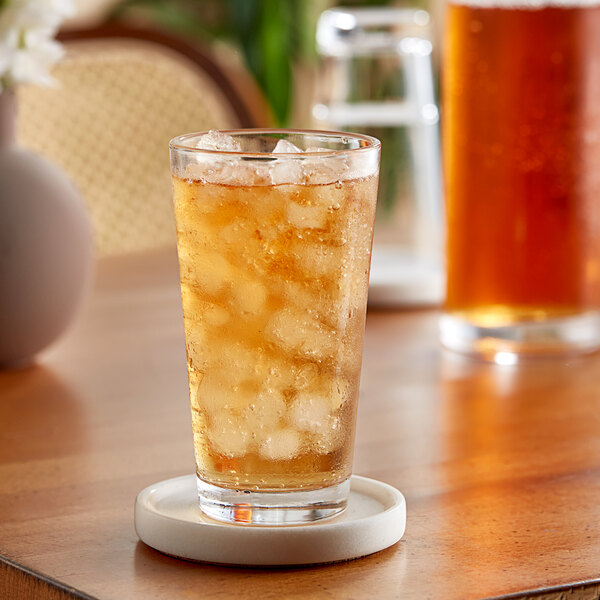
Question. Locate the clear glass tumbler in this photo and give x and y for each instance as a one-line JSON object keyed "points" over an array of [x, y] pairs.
{"points": [[376, 77], [274, 234], [521, 123]]}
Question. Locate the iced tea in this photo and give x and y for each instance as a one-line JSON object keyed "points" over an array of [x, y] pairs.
{"points": [[274, 273]]}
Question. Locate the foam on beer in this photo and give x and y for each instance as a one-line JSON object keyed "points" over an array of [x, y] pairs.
{"points": [[307, 167]]}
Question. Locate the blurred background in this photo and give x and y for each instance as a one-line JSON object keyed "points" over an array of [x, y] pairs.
{"points": [[274, 39], [138, 72]]}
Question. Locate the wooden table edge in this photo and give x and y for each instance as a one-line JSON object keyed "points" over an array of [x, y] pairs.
{"points": [[578, 591], [27, 583], [21, 582]]}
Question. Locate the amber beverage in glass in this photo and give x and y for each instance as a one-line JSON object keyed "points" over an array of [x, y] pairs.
{"points": [[521, 151], [274, 253]]}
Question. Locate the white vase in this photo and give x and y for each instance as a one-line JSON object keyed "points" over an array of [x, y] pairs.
{"points": [[46, 248]]}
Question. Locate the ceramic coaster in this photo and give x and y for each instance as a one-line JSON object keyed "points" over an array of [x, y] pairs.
{"points": [[168, 518]]}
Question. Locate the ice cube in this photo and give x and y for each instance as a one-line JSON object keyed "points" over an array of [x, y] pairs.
{"points": [[351, 165], [214, 315], [322, 261], [307, 216], [214, 393], [280, 374], [297, 332], [228, 434], [284, 376], [223, 169], [361, 164], [238, 172], [310, 297], [310, 412], [287, 170], [266, 204], [239, 231], [250, 296], [325, 170], [230, 172], [281, 444], [212, 272], [245, 245], [329, 440], [190, 248], [217, 140], [238, 362], [264, 411], [285, 147], [193, 201], [294, 292], [305, 375]]}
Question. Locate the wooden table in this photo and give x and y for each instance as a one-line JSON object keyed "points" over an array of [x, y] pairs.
{"points": [[500, 465]]}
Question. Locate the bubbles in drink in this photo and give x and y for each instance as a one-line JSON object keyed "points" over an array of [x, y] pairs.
{"points": [[266, 410]]}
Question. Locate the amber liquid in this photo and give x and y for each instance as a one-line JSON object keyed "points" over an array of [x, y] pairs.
{"points": [[521, 98], [274, 286]]}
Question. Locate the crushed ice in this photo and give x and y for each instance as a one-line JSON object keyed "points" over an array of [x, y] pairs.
{"points": [[285, 147], [217, 140], [279, 170]]}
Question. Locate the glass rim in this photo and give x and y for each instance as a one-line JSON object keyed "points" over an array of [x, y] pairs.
{"points": [[178, 142]]}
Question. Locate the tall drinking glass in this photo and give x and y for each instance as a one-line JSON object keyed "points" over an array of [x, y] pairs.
{"points": [[274, 233], [521, 128]]}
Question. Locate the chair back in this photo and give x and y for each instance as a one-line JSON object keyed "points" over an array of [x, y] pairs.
{"points": [[122, 94]]}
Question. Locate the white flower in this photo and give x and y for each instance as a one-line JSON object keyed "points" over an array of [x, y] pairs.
{"points": [[27, 47]]}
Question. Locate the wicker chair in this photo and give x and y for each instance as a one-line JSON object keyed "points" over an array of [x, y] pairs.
{"points": [[122, 94]]}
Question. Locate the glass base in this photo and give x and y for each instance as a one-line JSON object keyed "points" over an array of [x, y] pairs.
{"points": [[509, 344], [272, 508]]}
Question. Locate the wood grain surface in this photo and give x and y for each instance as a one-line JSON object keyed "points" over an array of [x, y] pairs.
{"points": [[500, 466]]}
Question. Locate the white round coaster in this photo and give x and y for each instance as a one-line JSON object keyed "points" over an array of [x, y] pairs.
{"points": [[168, 518]]}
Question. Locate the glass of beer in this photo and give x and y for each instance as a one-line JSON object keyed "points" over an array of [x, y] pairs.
{"points": [[521, 143], [274, 233]]}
